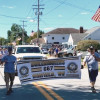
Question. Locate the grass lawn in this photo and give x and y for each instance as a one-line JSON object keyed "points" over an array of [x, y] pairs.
{"points": [[99, 67]]}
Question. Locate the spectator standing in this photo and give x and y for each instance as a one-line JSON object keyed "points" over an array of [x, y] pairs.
{"points": [[1, 54], [9, 70], [56, 52], [92, 62]]}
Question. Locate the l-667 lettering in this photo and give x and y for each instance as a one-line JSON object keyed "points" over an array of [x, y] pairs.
{"points": [[48, 68]]}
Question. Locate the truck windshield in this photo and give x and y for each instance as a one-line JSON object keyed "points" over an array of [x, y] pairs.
{"points": [[28, 50]]}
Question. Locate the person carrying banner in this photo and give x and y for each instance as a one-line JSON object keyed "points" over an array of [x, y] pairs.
{"points": [[1, 53], [9, 70], [92, 59]]}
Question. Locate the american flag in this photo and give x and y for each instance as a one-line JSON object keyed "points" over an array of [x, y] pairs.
{"points": [[32, 33], [96, 16]]}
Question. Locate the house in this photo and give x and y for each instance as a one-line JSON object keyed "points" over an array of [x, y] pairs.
{"points": [[60, 35], [93, 34], [76, 37]]}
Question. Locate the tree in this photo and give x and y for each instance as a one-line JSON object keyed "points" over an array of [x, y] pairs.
{"points": [[35, 36], [84, 44], [2, 41], [9, 34], [15, 33], [40, 33]]}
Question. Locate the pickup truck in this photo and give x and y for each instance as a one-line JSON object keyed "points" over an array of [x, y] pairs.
{"points": [[28, 52], [67, 52]]}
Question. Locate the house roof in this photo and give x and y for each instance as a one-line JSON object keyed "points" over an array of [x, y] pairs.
{"points": [[78, 37], [63, 31], [93, 29]]}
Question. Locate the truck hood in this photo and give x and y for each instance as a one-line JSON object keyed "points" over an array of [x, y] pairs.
{"points": [[30, 55]]}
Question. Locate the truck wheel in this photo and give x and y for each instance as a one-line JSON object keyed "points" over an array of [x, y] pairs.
{"points": [[60, 55], [70, 55]]}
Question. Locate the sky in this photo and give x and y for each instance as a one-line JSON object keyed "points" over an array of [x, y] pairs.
{"points": [[56, 14]]}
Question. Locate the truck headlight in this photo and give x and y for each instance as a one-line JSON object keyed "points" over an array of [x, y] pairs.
{"points": [[44, 58], [19, 58]]}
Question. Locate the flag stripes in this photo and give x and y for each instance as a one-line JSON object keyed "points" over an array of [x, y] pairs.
{"points": [[96, 16]]}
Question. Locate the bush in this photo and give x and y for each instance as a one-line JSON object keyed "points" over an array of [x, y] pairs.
{"points": [[84, 44]]}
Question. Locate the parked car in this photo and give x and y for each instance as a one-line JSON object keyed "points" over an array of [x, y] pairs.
{"points": [[44, 51]]}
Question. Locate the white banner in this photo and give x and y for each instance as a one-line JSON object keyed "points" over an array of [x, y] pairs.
{"points": [[49, 69]]}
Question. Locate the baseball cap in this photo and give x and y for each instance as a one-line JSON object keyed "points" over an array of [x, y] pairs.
{"points": [[91, 47], [9, 48]]}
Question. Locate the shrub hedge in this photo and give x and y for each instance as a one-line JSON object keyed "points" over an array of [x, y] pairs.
{"points": [[84, 44]]}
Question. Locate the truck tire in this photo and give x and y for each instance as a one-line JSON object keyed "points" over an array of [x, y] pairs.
{"points": [[70, 55], [60, 55]]}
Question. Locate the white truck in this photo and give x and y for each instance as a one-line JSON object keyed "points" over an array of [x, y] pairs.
{"points": [[67, 52], [28, 52]]}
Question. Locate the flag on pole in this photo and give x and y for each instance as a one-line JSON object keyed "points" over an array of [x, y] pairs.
{"points": [[32, 33], [96, 16]]}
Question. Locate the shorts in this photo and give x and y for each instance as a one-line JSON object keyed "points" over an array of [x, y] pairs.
{"points": [[92, 75], [9, 76]]}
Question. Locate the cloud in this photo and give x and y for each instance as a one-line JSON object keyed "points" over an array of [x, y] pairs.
{"points": [[29, 17], [60, 15], [84, 13], [10, 7], [32, 21], [48, 28]]}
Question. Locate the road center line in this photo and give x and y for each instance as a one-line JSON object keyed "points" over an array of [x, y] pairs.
{"points": [[43, 92], [51, 91]]}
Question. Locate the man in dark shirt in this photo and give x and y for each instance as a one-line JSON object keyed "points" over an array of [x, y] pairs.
{"points": [[9, 70]]}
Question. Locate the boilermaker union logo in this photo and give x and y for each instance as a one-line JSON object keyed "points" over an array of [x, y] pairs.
{"points": [[72, 67], [24, 70]]}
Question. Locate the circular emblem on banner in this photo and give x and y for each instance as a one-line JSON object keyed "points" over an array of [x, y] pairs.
{"points": [[24, 70], [72, 67]]}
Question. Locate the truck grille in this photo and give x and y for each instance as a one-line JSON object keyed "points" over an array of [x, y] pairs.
{"points": [[31, 58]]}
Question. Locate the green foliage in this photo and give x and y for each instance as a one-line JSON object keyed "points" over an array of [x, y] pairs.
{"points": [[84, 44], [35, 36], [2, 41], [16, 28], [16, 32]]}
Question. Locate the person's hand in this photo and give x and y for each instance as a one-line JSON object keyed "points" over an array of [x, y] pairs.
{"points": [[82, 66]]}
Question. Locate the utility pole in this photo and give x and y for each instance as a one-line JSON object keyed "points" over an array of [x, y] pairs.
{"points": [[38, 13], [23, 32]]}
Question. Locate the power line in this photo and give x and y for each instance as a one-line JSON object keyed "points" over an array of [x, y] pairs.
{"points": [[55, 8], [75, 6], [12, 17]]}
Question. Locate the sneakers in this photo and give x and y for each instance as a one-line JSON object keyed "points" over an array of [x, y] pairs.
{"points": [[8, 92], [93, 90], [11, 90]]}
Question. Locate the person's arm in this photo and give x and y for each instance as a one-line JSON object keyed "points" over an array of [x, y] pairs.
{"points": [[97, 57], [84, 62]]}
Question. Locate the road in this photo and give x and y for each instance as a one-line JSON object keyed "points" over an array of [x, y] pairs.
{"points": [[59, 89]]}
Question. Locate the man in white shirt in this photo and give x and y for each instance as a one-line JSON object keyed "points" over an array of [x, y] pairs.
{"points": [[92, 59]]}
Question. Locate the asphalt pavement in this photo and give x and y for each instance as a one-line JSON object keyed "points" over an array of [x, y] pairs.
{"points": [[59, 89]]}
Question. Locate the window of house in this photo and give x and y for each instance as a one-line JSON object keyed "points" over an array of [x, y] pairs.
{"points": [[52, 38], [89, 38], [63, 38]]}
